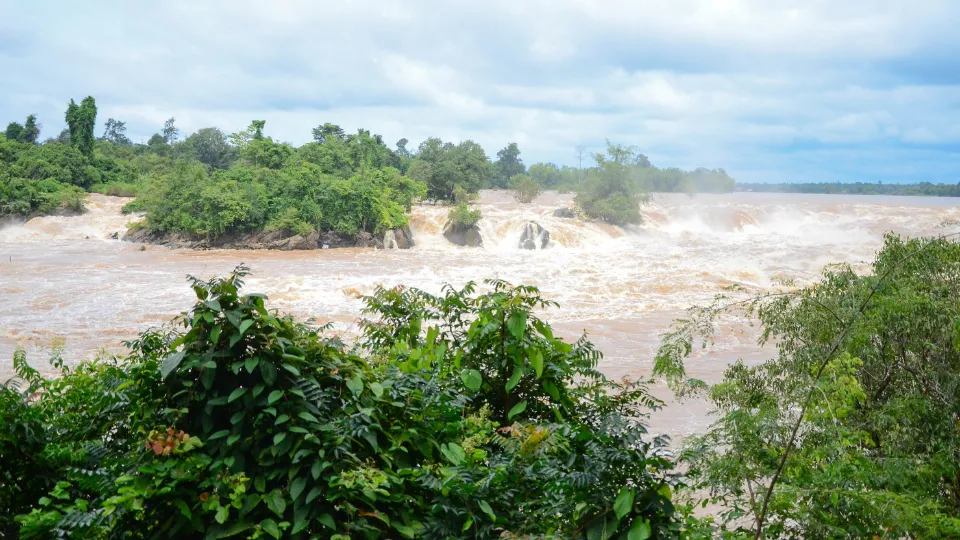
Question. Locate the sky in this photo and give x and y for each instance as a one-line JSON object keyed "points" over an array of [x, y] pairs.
{"points": [[769, 90]]}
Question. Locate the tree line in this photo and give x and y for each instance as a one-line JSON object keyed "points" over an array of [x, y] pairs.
{"points": [[211, 183]]}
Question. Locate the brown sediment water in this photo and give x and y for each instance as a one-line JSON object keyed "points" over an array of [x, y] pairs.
{"points": [[63, 280]]}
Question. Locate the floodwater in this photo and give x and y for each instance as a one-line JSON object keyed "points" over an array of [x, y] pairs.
{"points": [[64, 282]]}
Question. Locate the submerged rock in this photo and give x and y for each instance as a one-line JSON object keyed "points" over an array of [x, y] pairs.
{"points": [[463, 236], [534, 236], [567, 213], [399, 238], [115, 236]]}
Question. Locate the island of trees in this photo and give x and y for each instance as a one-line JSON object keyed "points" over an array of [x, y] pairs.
{"points": [[210, 184]]}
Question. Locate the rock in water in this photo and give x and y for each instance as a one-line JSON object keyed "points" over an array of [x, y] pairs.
{"points": [[399, 238], [534, 236], [463, 236], [115, 236], [564, 213]]}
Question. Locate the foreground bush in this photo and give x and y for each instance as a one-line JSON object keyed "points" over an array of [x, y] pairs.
{"points": [[461, 418], [857, 417]]}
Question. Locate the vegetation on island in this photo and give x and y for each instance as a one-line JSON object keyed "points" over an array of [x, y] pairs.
{"points": [[212, 183]]}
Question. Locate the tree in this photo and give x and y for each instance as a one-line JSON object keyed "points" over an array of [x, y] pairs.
{"points": [[170, 131], [547, 175], [444, 166], [13, 132], [402, 148], [81, 120], [508, 165], [525, 188], [211, 147], [851, 428], [610, 192], [64, 136], [258, 126], [323, 133], [31, 130], [115, 131]]}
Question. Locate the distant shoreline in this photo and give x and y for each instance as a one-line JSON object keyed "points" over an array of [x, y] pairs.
{"points": [[923, 189]]}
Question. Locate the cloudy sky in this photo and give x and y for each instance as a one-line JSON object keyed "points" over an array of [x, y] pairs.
{"points": [[770, 90]]}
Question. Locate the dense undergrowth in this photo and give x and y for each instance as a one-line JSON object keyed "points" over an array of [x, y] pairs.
{"points": [[462, 415], [459, 415]]}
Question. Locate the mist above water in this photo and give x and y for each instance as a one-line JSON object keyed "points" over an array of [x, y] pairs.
{"points": [[63, 280]]}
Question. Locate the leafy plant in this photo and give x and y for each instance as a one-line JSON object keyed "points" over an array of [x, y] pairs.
{"points": [[467, 416], [525, 188], [463, 217]]}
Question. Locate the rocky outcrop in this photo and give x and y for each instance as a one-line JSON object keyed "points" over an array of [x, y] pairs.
{"points": [[463, 236], [269, 240], [565, 212], [534, 236], [399, 238]]}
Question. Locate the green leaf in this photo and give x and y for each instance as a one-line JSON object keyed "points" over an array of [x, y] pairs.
{"points": [[640, 530], [170, 363], [300, 520], [276, 502], [471, 379], [536, 360], [514, 379], [271, 527], [296, 488], [326, 520], [215, 334], [213, 304], [308, 417], [624, 502], [485, 506], [245, 325], [269, 372], [517, 323], [232, 439], [235, 395], [218, 435], [314, 493], [274, 397], [315, 470], [251, 363], [517, 409], [453, 452], [355, 384], [184, 509], [377, 389], [603, 527], [222, 514], [467, 525], [291, 368], [281, 419], [278, 438]]}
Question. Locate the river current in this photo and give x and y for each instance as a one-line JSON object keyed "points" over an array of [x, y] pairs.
{"points": [[64, 282]]}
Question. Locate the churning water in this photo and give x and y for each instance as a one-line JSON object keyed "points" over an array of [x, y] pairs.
{"points": [[62, 280]]}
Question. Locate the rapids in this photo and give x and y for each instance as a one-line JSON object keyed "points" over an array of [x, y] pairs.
{"points": [[64, 282]]}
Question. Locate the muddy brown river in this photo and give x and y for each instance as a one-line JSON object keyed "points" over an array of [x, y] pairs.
{"points": [[64, 282]]}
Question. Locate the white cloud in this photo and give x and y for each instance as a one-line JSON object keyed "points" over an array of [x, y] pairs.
{"points": [[755, 86]]}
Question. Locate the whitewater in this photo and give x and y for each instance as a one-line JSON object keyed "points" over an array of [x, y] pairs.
{"points": [[65, 283]]}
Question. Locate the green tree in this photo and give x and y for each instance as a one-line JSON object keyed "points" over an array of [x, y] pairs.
{"points": [[211, 147], [115, 132], [31, 130], [525, 188], [445, 166], [851, 429], [328, 131], [81, 120], [13, 132], [610, 191], [508, 165], [170, 131], [547, 175]]}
